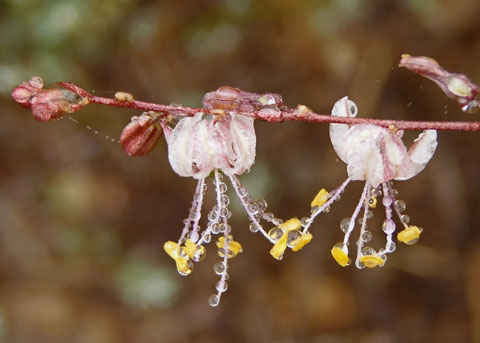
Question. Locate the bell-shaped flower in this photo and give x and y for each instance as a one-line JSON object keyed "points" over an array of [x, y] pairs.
{"points": [[198, 145], [222, 145], [376, 155]]}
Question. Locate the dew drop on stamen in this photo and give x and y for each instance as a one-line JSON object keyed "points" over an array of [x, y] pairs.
{"points": [[221, 286], [253, 227], [400, 205], [344, 224], [219, 267], [213, 300], [405, 219], [387, 201], [388, 226], [366, 236]]}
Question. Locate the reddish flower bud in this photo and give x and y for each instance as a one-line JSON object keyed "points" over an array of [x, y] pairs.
{"points": [[230, 99], [141, 134], [47, 104], [456, 86]]}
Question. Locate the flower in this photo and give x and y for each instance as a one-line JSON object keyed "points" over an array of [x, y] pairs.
{"points": [[377, 156], [141, 134], [456, 86], [47, 103], [222, 145]]}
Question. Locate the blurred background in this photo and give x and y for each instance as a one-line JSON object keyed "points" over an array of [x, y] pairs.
{"points": [[83, 225]]}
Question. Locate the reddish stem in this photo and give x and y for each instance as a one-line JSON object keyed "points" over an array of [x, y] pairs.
{"points": [[285, 115]]}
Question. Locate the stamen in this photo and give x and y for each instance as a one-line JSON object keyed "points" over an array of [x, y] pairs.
{"points": [[351, 226], [196, 207], [366, 195], [334, 195], [242, 194]]}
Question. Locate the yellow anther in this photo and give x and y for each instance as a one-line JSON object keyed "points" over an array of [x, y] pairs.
{"points": [[372, 202], [290, 225], [320, 199], [340, 256], [409, 235], [190, 248], [371, 261], [171, 248], [234, 247], [302, 241], [279, 247], [184, 266]]}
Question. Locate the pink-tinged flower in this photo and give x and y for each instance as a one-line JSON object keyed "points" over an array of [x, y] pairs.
{"points": [[141, 134], [456, 86], [47, 103], [225, 146], [377, 156], [198, 145]]}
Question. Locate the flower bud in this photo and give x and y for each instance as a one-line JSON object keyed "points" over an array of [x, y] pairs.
{"points": [[47, 104], [456, 86], [141, 134], [229, 98]]}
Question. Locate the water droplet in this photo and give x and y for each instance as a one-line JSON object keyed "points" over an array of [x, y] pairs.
{"points": [[390, 246], [222, 187], [326, 209], [304, 221], [221, 286], [315, 209], [219, 267], [224, 200], [216, 229], [400, 205], [369, 214], [253, 227], [213, 300], [344, 224], [223, 212], [262, 204], [207, 237], [252, 207], [243, 191], [275, 234], [292, 237], [194, 236], [359, 264], [471, 107], [405, 219], [387, 201], [187, 270], [368, 251], [388, 226], [212, 216], [366, 236]]}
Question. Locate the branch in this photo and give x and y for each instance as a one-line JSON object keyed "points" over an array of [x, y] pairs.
{"points": [[51, 103]]}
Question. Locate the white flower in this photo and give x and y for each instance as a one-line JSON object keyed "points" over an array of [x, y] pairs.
{"points": [[377, 156], [198, 145], [224, 145]]}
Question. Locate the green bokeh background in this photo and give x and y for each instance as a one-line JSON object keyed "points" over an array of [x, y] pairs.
{"points": [[83, 225]]}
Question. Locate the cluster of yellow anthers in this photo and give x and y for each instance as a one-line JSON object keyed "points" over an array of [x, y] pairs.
{"points": [[294, 232], [367, 256], [183, 255]]}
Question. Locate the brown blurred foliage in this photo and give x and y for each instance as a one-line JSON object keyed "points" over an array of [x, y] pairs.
{"points": [[82, 224]]}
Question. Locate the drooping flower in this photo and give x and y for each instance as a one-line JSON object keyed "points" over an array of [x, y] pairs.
{"points": [[224, 145], [377, 156]]}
